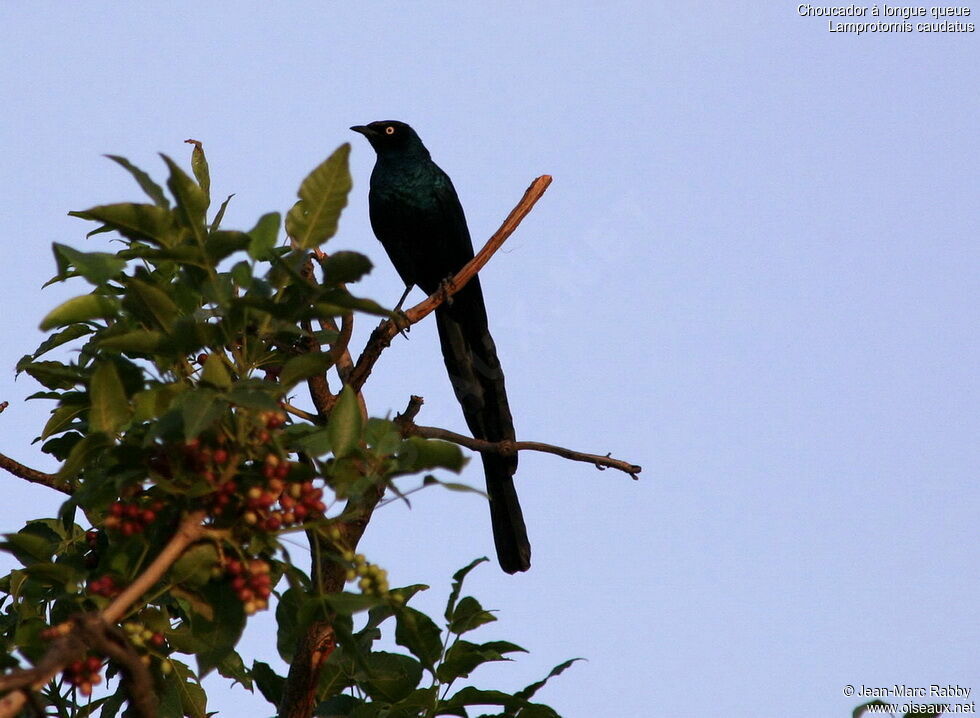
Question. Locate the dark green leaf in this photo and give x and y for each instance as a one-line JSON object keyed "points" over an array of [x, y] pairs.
{"points": [[416, 632], [216, 222], [269, 683], [109, 406], [391, 676], [97, 267], [264, 236], [343, 267], [287, 618], [150, 303], [192, 202], [345, 424], [52, 374], [80, 455], [58, 338], [314, 443], [469, 614], [155, 402], [152, 189], [463, 657], [216, 373], [458, 579], [223, 243], [232, 666], [526, 693], [220, 634], [138, 341], [200, 409], [303, 367], [194, 566], [322, 196], [61, 419], [134, 221], [80, 309]]}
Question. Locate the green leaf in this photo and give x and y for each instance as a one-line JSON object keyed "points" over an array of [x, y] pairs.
{"points": [[344, 267], [223, 243], [287, 619], [134, 221], [458, 579], [139, 341], [303, 367], [322, 196], [192, 202], [53, 374], [200, 409], [110, 408], [152, 189], [61, 419], [232, 666], [216, 373], [391, 676], [80, 309], [464, 657], [418, 454], [193, 568], [264, 235], [155, 402], [345, 424], [199, 165], [526, 693], [96, 267], [80, 455], [269, 683], [29, 546], [314, 443], [58, 338], [417, 632], [150, 303], [469, 614], [220, 634], [216, 222]]}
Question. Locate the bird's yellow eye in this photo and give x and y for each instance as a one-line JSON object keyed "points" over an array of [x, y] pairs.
{"points": [[389, 130]]}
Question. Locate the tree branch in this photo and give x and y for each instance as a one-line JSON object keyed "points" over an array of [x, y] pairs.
{"points": [[381, 337], [508, 448], [52, 481]]}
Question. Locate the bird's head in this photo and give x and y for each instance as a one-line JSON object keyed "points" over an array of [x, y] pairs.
{"points": [[391, 137]]}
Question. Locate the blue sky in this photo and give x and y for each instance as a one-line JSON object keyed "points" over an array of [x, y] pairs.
{"points": [[755, 274]]}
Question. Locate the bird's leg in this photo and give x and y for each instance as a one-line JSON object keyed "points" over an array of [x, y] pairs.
{"points": [[446, 286], [401, 321]]}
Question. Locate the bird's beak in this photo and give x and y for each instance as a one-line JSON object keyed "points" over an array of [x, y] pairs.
{"points": [[364, 130]]}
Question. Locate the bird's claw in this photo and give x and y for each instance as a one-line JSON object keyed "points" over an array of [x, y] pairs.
{"points": [[446, 287], [402, 323]]}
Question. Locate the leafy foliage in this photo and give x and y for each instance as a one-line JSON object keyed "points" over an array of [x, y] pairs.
{"points": [[176, 402]]}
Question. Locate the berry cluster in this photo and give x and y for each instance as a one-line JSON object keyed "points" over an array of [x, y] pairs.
{"points": [[373, 579], [83, 674], [142, 637], [132, 517], [104, 586], [251, 581], [277, 503]]}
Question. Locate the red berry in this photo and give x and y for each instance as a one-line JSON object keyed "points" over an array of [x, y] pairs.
{"points": [[147, 516], [93, 663], [117, 509], [201, 358], [220, 456]]}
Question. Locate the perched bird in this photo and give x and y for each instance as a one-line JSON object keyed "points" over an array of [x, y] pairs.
{"points": [[416, 215]]}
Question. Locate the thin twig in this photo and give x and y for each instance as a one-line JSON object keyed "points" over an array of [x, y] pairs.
{"points": [[509, 448], [381, 337]]}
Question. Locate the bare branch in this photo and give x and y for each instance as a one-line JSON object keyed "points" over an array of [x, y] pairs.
{"points": [[381, 337], [508, 448], [52, 481]]}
